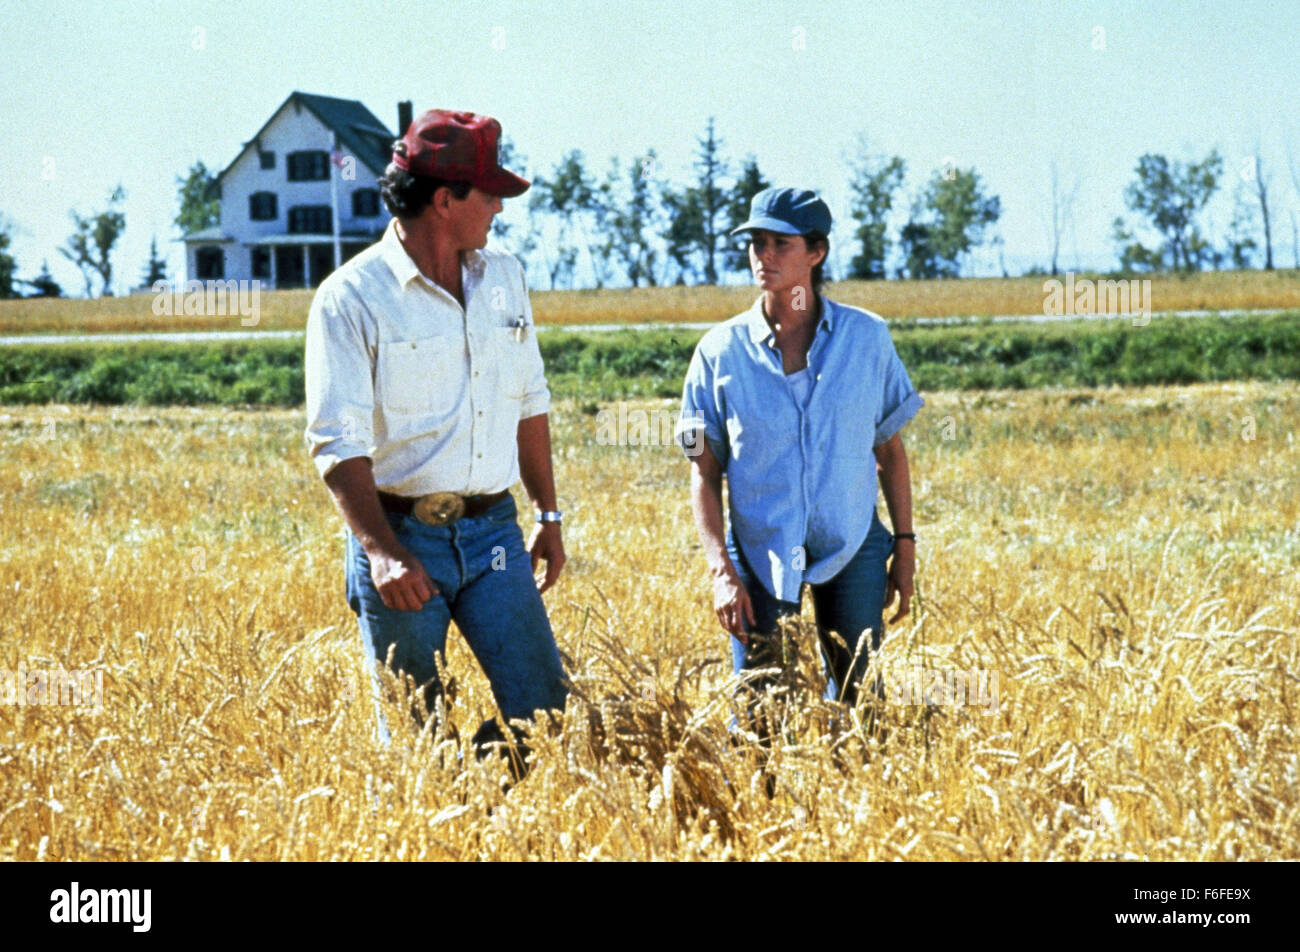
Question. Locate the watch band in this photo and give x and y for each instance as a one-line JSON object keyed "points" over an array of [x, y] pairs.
{"points": [[905, 535], [550, 515]]}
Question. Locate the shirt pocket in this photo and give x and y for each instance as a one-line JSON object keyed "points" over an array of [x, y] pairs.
{"points": [[421, 376], [510, 354]]}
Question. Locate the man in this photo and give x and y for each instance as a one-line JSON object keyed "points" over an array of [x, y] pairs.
{"points": [[426, 400]]}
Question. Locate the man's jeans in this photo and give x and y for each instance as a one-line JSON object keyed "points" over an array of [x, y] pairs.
{"points": [[849, 604], [485, 583]]}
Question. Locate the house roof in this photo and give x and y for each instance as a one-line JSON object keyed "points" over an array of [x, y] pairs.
{"points": [[213, 233], [359, 131], [315, 239]]}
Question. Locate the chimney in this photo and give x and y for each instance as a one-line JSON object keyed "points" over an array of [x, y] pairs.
{"points": [[403, 117]]}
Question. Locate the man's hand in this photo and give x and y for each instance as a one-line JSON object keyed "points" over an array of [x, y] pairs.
{"points": [[732, 604], [902, 567], [402, 581], [545, 543]]}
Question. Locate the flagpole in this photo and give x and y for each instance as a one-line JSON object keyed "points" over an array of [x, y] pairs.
{"points": [[334, 202]]}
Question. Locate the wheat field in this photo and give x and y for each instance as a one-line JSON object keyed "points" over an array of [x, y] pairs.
{"points": [[1125, 561], [287, 310]]}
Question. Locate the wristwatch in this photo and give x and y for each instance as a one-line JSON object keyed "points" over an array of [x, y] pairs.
{"points": [[550, 515]]}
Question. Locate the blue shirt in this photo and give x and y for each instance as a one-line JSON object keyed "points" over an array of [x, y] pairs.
{"points": [[801, 478]]}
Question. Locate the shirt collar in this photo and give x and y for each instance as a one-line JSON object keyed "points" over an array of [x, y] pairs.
{"points": [[395, 256], [405, 269], [760, 331]]}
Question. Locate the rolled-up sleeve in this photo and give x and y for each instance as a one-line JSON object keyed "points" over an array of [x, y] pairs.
{"points": [[899, 401], [339, 382], [700, 411], [537, 395]]}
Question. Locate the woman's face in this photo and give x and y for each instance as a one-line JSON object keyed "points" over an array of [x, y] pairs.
{"points": [[781, 262]]}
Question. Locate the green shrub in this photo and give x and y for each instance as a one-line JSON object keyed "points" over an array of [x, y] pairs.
{"points": [[595, 366]]}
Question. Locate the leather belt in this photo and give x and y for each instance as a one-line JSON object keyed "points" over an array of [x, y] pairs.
{"points": [[438, 509]]}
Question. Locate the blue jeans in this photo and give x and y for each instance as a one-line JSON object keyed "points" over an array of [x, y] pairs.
{"points": [[485, 583], [849, 604]]}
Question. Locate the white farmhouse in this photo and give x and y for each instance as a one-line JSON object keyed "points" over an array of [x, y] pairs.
{"points": [[300, 198]]}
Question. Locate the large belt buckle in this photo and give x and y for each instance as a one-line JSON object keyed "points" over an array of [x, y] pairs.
{"points": [[438, 509]]}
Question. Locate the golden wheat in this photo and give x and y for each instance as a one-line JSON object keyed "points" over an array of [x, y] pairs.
{"points": [[1126, 561], [287, 310]]}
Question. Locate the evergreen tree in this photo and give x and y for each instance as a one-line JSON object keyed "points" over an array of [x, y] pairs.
{"points": [[44, 284], [632, 218], [748, 184], [8, 265], [685, 226], [156, 269], [711, 198]]}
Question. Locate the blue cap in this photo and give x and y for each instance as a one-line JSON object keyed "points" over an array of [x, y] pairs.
{"points": [[789, 211]]}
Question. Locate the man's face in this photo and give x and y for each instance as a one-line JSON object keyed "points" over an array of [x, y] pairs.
{"points": [[471, 217]]}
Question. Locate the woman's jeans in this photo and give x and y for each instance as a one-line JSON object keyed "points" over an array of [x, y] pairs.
{"points": [[850, 604]]}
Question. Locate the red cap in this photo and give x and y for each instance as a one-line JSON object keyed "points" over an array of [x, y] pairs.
{"points": [[458, 147]]}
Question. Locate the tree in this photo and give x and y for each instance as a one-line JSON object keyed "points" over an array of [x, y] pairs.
{"points": [[1295, 230], [514, 160], [685, 225], [632, 217], [1261, 192], [949, 220], [536, 208], [508, 157], [1171, 195], [1295, 242], [8, 265], [696, 213], [91, 245], [917, 243], [748, 184], [1241, 243], [200, 204], [711, 198], [962, 212], [874, 182], [600, 211], [1133, 255], [156, 268], [44, 284], [571, 198], [1063, 200]]}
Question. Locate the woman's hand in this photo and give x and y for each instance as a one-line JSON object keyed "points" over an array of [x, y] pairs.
{"points": [[902, 566], [731, 602]]}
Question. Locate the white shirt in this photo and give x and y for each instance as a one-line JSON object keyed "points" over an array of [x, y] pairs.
{"points": [[433, 393]]}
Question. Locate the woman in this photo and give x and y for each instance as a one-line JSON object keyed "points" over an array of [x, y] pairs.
{"points": [[790, 400]]}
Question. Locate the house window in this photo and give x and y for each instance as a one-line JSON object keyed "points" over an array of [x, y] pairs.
{"points": [[310, 220], [210, 263], [365, 203], [262, 263], [262, 206], [267, 159], [311, 166]]}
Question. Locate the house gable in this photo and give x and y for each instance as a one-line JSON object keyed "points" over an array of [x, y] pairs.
{"points": [[359, 132], [281, 194]]}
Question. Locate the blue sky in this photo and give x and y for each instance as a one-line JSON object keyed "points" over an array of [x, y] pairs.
{"points": [[133, 92]]}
